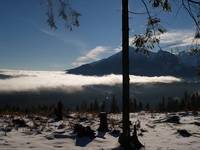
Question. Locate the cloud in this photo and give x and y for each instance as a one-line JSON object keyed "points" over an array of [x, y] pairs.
{"points": [[35, 80], [66, 40], [177, 38], [117, 49], [93, 55], [174, 38], [48, 32], [169, 40]]}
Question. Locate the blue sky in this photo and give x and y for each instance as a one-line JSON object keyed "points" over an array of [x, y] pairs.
{"points": [[26, 41]]}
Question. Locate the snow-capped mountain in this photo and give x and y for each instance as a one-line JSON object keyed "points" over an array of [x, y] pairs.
{"points": [[159, 63]]}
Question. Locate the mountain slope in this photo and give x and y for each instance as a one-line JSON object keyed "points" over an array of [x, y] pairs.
{"points": [[154, 64]]}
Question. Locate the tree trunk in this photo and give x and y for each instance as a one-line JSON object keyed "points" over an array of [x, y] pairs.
{"points": [[103, 127], [124, 139]]}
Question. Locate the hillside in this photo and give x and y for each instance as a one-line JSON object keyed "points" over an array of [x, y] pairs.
{"points": [[161, 63]]}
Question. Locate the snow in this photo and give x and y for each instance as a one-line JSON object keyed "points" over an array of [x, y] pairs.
{"points": [[59, 135]]}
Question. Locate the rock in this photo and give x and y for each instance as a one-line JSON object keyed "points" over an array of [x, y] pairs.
{"points": [[195, 113], [8, 129], [173, 119], [51, 120], [140, 134], [79, 129], [151, 125], [83, 119], [50, 137], [61, 126], [115, 133], [56, 135], [183, 114], [197, 123], [20, 123], [38, 132], [89, 132], [84, 131], [184, 133], [143, 130]]}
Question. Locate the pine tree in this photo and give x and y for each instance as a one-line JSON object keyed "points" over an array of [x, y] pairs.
{"points": [[91, 107], [163, 107], [131, 105], [140, 106], [83, 107], [77, 108], [59, 110], [103, 106], [114, 107], [96, 106], [193, 102], [147, 107], [135, 105]]}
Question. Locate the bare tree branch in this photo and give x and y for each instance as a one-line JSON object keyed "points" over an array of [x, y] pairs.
{"points": [[65, 12], [151, 36], [138, 13], [194, 2], [189, 10]]}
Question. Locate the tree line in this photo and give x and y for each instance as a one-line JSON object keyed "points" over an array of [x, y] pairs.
{"points": [[188, 102]]}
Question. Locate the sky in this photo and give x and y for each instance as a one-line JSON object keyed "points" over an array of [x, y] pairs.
{"points": [[28, 43]]}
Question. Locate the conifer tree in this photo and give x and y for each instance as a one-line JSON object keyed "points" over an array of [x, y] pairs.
{"points": [[103, 106], [96, 106], [114, 106]]}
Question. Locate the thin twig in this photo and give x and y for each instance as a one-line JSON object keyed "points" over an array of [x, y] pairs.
{"points": [[190, 13], [138, 13], [153, 27], [194, 2]]}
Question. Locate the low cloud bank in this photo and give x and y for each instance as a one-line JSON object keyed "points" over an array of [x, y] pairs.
{"points": [[34, 80]]}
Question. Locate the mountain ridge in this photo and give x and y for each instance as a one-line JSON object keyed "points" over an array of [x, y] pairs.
{"points": [[159, 63]]}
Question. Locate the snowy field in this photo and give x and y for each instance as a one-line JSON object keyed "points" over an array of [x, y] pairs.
{"points": [[155, 131]]}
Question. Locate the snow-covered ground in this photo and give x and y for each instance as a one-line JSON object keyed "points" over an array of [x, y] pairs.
{"points": [[155, 131]]}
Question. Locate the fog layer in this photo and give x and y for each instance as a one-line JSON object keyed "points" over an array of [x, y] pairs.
{"points": [[19, 80]]}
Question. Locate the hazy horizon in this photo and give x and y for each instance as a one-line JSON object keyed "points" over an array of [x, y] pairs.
{"points": [[31, 80]]}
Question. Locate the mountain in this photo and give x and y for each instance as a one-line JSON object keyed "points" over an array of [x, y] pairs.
{"points": [[159, 63], [189, 59]]}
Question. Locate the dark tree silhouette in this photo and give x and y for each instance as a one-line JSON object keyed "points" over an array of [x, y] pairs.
{"points": [[103, 106], [124, 139], [147, 107], [83, 106], [65, 12], [96, 106], [114, 106], [140, 106], [131, 105], [135, 105], [91, 107], [77, 109], [59, 111]]}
